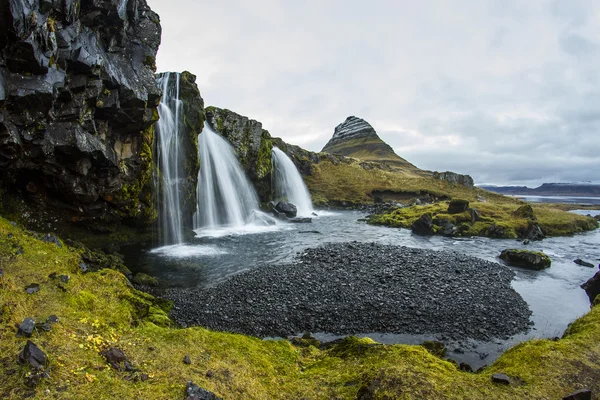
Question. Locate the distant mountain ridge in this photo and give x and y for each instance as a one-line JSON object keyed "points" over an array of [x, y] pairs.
{"points": [[356, 138], [578, 189]]}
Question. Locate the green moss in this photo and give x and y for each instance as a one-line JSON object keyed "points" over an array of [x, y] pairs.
{"points": [[99, 310], [263, 160]]}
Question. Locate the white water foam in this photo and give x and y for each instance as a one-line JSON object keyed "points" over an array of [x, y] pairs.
{"points": [[187, 251]]}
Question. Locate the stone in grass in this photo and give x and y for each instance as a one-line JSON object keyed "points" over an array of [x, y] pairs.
{"points": [[187, 360], [583, 263], [1, 273], [53, 319], [26, 328], [458, 206], [195, 392], [32, 288], [584, 394], [527, 259], [502, 379], [434, 347], [115, 357], [144, 280], [32, 355]]}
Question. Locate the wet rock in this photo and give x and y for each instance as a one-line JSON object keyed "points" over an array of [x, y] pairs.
{"points": [[289, 209], [145, 280], [534, 232], [32, 355], [195, 392], [526, 259], [458, 206], [583, 263], [49, 238], [592, 287], [26, 328], [187, 360], [423, 225], [32, 288], [583, 394], [502, 379], [299, 220], [448, 229]]}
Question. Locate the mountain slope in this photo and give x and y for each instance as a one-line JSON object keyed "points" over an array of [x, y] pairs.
{"points": [[356, 138]]}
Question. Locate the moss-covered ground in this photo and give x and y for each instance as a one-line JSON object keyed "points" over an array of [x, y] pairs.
{"points": [[500, 212], [100, 309]]}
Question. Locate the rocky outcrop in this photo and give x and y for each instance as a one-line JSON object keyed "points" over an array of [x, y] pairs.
{"points": [[356, 138], [526, 259], [592, 287], [454, 178], [78, 102], [251, 143]]}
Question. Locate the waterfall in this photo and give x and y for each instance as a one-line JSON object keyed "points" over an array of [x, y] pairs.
{"points": [[167, 179], [225, 196], [288, 184]]}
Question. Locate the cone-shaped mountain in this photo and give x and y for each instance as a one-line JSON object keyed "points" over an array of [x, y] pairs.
{"points": [[356, 138]]}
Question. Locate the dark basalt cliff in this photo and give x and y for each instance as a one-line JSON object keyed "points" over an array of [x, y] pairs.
{"points": [[356, 138], [78, 100]]}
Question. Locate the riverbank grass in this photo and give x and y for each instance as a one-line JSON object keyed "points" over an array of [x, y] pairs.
{"points": [[98, 310]]}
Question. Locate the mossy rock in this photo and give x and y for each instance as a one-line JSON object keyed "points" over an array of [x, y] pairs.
{"points": [[525, 211], [458, 206], [525, 258], [145, 280]]}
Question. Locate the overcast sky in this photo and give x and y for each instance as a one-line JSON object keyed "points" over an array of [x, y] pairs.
{"points": [[507, 91]]}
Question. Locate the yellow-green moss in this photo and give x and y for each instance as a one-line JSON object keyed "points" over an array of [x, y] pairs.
{"points": [[100, 309]]}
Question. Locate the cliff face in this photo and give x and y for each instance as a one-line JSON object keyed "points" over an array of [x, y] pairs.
{"points": [[356, 138], [191, 124], [252, 145], [78, 102]]}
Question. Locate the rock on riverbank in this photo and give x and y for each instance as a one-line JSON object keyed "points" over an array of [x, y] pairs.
{"points": [[354, 287]]}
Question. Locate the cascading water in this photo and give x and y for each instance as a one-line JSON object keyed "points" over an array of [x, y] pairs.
{"points": [[288, 184], [167, 177], [225, 196]]}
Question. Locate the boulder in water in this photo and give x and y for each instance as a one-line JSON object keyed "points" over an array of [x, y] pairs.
{"points": [[527, 259], [583, 263], [289, 209], [423, 226], [592, 287]]}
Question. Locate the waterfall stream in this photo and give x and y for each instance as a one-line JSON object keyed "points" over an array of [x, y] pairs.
{"points": [[288, 184], [225, 196], [167, 175]]}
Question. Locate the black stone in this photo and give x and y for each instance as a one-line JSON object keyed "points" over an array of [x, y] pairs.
{"points": [[592, 286], [195, 392], [583, 263], [299, 220], [289, 209], [64, 278], [458, 206], [116, 358], [584, 394], [187, 360], [32, 355], [501, 379], [32, 288], [423, 226], [525, 259], [26, 328], [53, 319]]}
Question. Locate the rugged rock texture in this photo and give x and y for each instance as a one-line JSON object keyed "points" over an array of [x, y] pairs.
{"points": [[452, 177], [78, 101], [526, 259], [356, 138], [191, 124]]}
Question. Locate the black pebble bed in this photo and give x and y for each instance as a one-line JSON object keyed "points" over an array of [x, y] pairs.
{"points": [[353, 288]]}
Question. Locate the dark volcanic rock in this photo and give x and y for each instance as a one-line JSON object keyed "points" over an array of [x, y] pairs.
{"points": [[583, 263], [32, 288], [423, 226], [304, 220], [26, 328], [195, 392], [592, 286], [526, 259], [501, 378], [458, 206], [584, 394], [352, 288], [78, 100], [289, 209], [32, 355], [116, 358]]}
